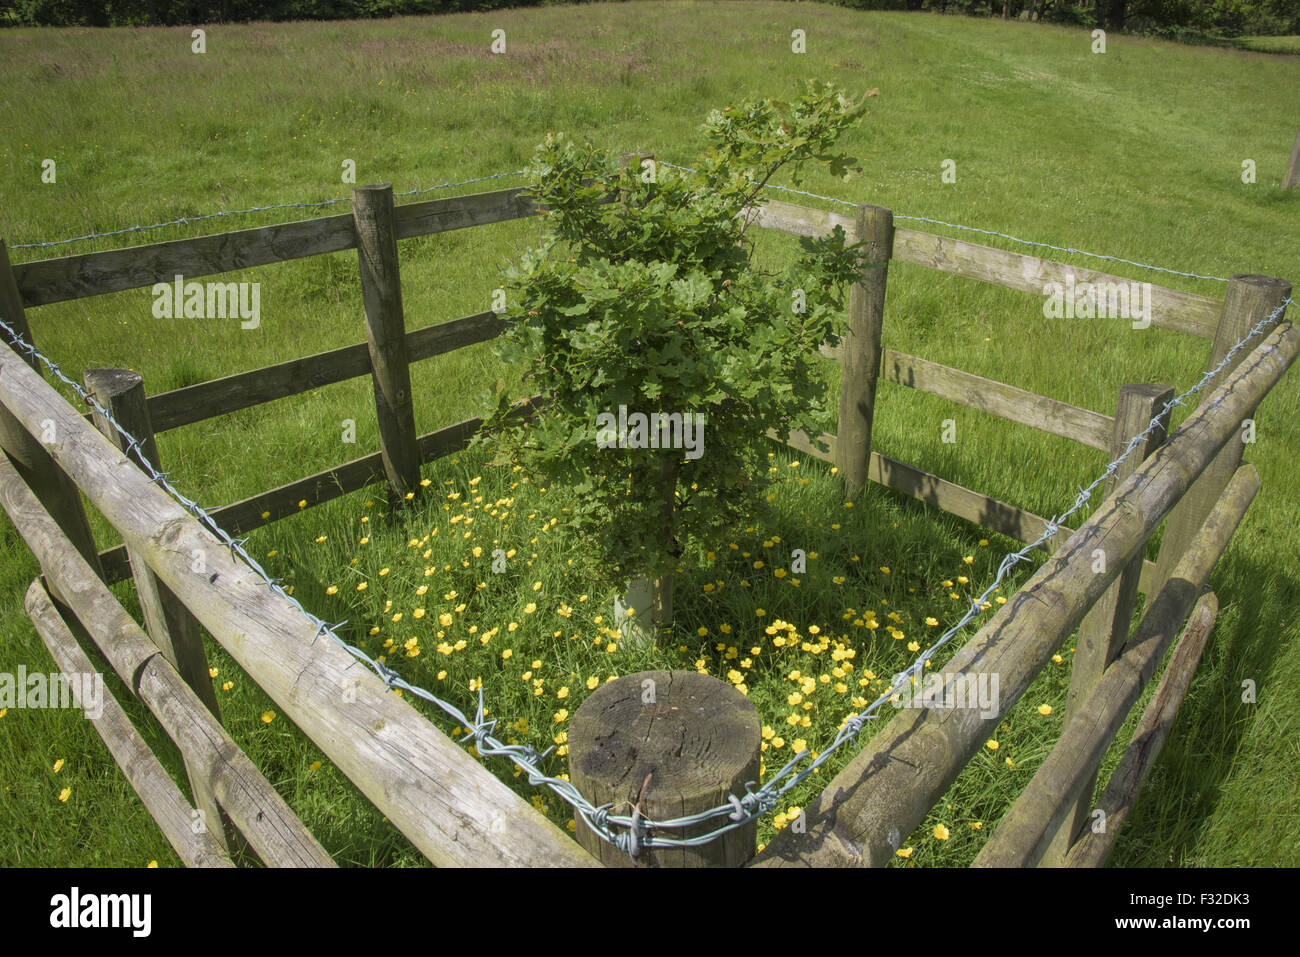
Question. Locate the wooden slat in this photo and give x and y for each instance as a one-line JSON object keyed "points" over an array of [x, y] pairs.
{"points": [[450, 807], [92, 274], [1010, 520], [996, 398], [1066, 774], [1170, 309], [459, 212], [142, 770], [206, 400], [261, 815], [884, 793], [1157, 720], [803, 220]]}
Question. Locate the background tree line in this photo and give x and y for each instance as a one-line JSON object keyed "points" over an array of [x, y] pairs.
{"points": [[1175, 19]]}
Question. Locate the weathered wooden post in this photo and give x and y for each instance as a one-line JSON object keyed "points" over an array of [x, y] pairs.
{"points": [[381, 294], [169, 623], [671, 743], [54, 489], [860, 348], [1249, 300], [1292, 177], [1105, 628]]}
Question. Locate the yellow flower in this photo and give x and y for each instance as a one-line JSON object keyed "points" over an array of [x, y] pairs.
{"points": [[65, 794], [976, 825], [904, 852], [227, 686], [505, 655], [266, 515], [537, 586], [991, 744], [268, 717], [1044, 709], [444, 619], [940, 832], [530, 608], [58, 766], [363, 586], [332, 590], [563, 692], [932, 621], [814, 630], [611, 647], [799, 744], [302, 503], [314, 766], [213, 672], [151, 864]]}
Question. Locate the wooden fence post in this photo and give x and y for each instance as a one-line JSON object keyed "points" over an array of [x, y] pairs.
{"points": [[1105, 629], [54, 489], [381, 293], [1249, 300], [672, 743], [1292, 177], [860, 349], [169, 623]]}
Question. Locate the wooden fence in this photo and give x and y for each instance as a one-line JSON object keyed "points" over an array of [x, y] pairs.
{"points": [[447, 804]]}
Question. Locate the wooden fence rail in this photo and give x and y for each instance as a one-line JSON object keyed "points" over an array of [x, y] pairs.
{"points": [[140, 766], [214, 761], [1068, 773], [449, 806], [885, 791]]}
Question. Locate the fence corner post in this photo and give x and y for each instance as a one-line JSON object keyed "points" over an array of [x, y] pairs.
{"points": [[860, 349], [1249, 300], [671, 744]]}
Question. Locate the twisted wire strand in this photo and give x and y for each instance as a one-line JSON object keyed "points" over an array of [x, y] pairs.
{"points": [[632, 833]]}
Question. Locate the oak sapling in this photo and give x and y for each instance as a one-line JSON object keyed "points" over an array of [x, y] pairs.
{"points": [[652, 304]]}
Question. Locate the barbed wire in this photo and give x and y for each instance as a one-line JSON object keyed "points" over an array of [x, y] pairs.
{"points": [[631, 833], [184, 220], [494, 176]]}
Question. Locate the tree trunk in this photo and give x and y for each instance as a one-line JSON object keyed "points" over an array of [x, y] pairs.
{"points": [[667, 467]]}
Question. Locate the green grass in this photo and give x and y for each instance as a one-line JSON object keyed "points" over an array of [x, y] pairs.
{"points": [[1270, 44], [1136, 153]]}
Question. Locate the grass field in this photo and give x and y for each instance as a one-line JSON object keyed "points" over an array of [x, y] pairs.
{"points": [[1137, 153]]}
